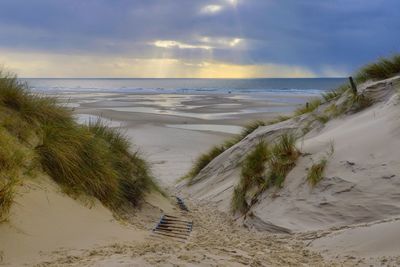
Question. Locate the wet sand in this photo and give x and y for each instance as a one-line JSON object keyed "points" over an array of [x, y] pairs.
{"points": [[171, 130]]}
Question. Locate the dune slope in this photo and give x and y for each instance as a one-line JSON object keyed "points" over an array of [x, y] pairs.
{"points": [[361, 180]]}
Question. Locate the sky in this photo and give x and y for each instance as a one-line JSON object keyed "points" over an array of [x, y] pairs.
{"points": [[195, 38]]}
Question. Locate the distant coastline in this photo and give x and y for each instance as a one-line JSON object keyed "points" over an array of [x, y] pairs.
{"points": [[307, 86]]}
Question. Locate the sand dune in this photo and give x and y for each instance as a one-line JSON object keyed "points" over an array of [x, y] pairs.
{"points": [[45, 221], [360, 184]]}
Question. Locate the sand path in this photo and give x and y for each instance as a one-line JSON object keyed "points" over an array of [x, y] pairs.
{"points": [[216, 240]]}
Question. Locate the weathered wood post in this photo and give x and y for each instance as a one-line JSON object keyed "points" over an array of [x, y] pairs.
{"points": [[353, 85]]}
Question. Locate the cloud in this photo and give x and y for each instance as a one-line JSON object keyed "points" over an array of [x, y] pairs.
{"points": [[324, 37], [211, 9], [221, 42], [176, 44]]}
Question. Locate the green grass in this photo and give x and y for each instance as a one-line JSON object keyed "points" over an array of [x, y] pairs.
{"points": [[333, 111], [279, 119], [358, 102], [249, 128], [12, 157], [309, 107], [252, 175], [239, 202], [316, 171], [383, 68], [91, 160], [322, 118], [204, 159], [34, 109], [334, 94], [6, 197], [284, 155], [262, 168], [253, 167]]}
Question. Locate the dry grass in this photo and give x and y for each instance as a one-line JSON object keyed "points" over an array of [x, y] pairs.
{"points": [[6, 197], [316, 171], [284, 155], [263, 168], [357, 102], [279, 119], [34, 109], [204, 159], [335, 94], [252, 175], [383, 68], [89, 160], [249, 128], [309, 107], [12, 158]]}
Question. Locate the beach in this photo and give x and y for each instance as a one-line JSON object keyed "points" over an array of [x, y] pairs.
{"points": [[171, 130], [289, 225], [225, 133]]}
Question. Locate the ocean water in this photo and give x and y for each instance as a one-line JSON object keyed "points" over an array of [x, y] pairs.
{"points": [[306, 86]]}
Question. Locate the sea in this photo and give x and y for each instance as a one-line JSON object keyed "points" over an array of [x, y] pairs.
{"points": [[301, 86]]}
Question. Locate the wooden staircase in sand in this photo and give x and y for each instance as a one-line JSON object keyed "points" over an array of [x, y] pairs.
{"points": [[177, 228]]}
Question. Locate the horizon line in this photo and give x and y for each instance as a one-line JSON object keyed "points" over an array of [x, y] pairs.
{"points": [[177, 78]]}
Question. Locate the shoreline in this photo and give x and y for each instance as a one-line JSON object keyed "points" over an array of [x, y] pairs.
{"points": [[172, 150]]}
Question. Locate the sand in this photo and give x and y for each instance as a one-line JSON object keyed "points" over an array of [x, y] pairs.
{"points": [[360, 184], [48, 228], [348, 219], [216, 242], [44, 220], [158, 124]]}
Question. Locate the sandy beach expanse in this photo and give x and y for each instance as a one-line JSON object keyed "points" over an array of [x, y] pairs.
{"points": [[171, 130]]}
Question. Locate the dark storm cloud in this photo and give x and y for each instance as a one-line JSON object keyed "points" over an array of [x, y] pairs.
{"points": [[314, 34]]}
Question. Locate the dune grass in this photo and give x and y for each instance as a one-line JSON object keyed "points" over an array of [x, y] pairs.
{"points": [[6, 197], [284, 155], [252, 175], [249, 128], [358, 102], [262, 168], [91, 160], [32, 108], [12, 157], [316, 171], [309, 107], [334, 94], [279, 119], [383, 68], [204, 159]]}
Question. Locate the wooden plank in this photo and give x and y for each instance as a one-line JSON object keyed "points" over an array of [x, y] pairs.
{"points": [[173, 227], [172, 232], [176, 220], [170, 235]]}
